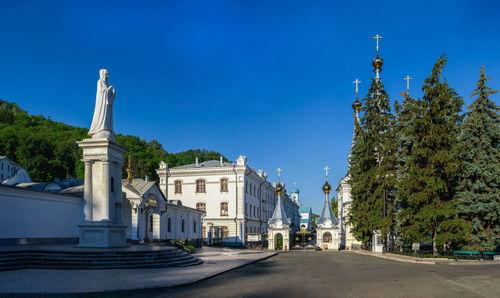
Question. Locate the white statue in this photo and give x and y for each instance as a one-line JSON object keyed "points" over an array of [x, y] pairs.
{"points": [[102, 123]]}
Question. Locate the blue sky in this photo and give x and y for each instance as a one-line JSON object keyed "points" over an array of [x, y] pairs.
{"points": [[266, 79]]}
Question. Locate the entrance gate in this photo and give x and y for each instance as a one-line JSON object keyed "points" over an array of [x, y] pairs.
{"points": [[304, 240]]}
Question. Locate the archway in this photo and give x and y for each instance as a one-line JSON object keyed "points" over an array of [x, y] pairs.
{"points": [[278, 241], [327, 237]]}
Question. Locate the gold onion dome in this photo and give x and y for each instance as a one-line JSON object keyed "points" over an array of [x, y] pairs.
{"points": [[377, 63], [356, 106], [279, 189], [327, 187]]}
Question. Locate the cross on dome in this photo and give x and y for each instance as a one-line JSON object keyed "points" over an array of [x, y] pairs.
{"points": [[407, 78], [377, 37], [356, 82]]}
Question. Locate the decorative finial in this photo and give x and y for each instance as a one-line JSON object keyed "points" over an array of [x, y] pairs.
{"points": [[279, 174], [130, 171], [326, 172], [407, 78], [326, 187], [377, 62]]}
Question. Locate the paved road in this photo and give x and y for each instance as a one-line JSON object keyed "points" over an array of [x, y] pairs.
{"points": [[344, 274]]}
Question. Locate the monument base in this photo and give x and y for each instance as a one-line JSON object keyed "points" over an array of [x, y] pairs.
{"points": [[104, 234]]}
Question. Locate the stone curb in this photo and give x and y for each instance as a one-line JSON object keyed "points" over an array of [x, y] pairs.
{"points": [[137, 289], [437, 261]]}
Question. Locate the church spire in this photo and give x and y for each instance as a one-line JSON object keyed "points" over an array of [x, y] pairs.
{"points": [[327, 219], [377, 61], [279, 219]]}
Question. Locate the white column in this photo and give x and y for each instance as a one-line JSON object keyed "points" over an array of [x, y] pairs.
{"points": [[87, 192], [105, 192]]}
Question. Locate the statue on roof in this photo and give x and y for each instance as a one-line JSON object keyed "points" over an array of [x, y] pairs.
{"points": [[102, 122]]}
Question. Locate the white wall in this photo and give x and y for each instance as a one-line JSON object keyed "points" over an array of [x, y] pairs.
{"points": [[32, 214]]}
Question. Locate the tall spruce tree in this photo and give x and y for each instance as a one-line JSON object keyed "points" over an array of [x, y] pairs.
{"points": [[372, 166], [427, 189], [479, 195]]}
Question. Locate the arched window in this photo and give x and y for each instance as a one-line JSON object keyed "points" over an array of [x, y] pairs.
{"points": [[327, 237], [178, 186], [201, 206], [182, 226], [169, 225], [194, 226], [224, 209], [200, 185], [224, 185]]}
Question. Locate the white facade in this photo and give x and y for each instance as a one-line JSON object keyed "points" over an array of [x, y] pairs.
{"points": [[305, 219], [9, 169], [237, 199], [150, 217], [344, 207]]}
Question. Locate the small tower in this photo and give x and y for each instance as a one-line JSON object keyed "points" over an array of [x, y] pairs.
{"points": [[328, 234], [279, 225]]}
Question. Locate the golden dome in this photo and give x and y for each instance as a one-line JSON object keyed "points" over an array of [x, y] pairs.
{"points": [[356, 106], [279, 189], [327, 187], [377, 63]]}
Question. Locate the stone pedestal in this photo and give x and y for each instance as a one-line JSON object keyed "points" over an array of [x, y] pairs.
{"points": [[102, 234], [103, 226]]}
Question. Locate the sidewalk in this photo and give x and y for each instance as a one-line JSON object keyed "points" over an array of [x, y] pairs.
{"points": [[216, 261], [427, 261]]}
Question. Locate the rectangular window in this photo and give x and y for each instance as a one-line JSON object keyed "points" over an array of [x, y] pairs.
{"points": [[224, 185], [178, 186], [246, 208], [224, 209], [112, 184], [200, 185], [201, 207], [151, 223]]}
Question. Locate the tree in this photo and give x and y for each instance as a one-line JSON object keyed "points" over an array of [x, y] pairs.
{"points": [[432, 167], [372, 167], [478, 192], [335, 206]]}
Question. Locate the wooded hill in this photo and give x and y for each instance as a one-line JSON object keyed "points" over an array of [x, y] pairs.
{"points": [[47, 149]]}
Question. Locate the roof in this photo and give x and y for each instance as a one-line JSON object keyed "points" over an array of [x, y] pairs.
{"points": [[41, 186], [279, 214], [327, 214], [295, 190], [305, 209], [205, 164], [140, 186]]}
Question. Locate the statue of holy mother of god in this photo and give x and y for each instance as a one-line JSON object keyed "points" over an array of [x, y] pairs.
{"points": [[102, 122]]}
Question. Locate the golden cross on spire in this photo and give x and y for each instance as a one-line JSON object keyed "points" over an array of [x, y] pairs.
{"points": [[279, 173], [357, 85], [326, 171], [407, 78], [377, 37]]}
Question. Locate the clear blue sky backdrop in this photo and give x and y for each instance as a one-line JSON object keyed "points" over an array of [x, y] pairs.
{"points": [[267, 79]]}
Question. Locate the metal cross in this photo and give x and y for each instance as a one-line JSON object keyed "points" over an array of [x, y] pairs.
{"points": [[326, 171], [357, 83], [377, 37], [279, 173], [407, 78]]}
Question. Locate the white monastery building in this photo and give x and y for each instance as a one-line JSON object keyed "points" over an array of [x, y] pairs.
{"points": [[237, 200]]}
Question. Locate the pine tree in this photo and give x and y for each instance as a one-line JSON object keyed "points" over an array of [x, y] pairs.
{"points": [[432, 167], [479, 195], [372, 167]]}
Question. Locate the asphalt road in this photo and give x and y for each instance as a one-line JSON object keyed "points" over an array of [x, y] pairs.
{"points": [[343, 274]]}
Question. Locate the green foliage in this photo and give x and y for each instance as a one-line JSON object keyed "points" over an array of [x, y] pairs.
{"points": [[335, 206], [48, 149], [372, 167], [479, 195], [429, 164]]}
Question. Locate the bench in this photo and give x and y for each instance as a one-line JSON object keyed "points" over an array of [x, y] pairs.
{"points": [[488, 255], [467, 254]]}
